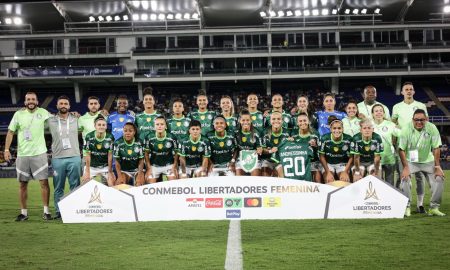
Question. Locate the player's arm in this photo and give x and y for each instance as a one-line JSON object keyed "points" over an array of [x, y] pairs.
{"points": [[329, 177], [148, 165], [111, 177], [204, 166], [175, 165], [8, 141], [280, 171], [344, 175], [120, 176], [183, 166], [377, 164], [87, 168], [357, 164], [437, 165], [140, 180]]}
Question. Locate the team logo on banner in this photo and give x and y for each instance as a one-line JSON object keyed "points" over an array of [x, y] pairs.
{"points": [[272, 202], [249, 160], [195, 202], [213, 203], [95, 196], [233, 202], [371, 193]]}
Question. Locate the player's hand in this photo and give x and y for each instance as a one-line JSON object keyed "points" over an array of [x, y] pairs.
{"points": [[131, 113], [329, 177], [111, 177], [274, 149], [405, 173], [120, 179], [86, 177], [357, 177], [140, 180], [313, 143], [7, 156], [344, 177], [291, 139], [76, 114], [438, 171], [175, 171], [361, 116], [148, 174], [259, 150], [104, 112], [266, 113]]}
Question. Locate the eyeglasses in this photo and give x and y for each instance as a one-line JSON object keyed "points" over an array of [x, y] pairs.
{"points": [[420, 120]]}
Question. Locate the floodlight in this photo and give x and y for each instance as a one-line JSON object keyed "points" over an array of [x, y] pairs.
{"points": [[125, 17], [144, 16], [161, 17], [135, 17], [377, 11], [334, 11], [315, 12], [447, 9], [289, 13], [364, 11], [153, 17], [170, 16], [91, 19], [101, 19], [117, 18], [108, 18], [306, 13], [262, 14], [195, 16], [347, 11], [272, 13], [178, 16], [18, 21], [325, 12], [298, 13], [187, 16], [355, 11]]}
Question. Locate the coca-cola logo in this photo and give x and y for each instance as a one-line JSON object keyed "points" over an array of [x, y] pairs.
{"points": [[214, 203]]}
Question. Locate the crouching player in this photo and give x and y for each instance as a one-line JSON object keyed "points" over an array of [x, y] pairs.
{"points": [[367, 147], [194, 153], [223, 146], [129, 155], [160, 154], [334, 151], [97, 151]]}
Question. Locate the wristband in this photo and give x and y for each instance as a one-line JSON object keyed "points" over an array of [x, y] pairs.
{"points": [[232, 160], [6, 150]]}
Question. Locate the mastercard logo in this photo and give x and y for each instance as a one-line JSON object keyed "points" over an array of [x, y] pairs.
{"points": [[252, 202]]}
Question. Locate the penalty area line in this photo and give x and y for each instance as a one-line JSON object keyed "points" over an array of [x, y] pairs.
{"points": [[234, 260]]}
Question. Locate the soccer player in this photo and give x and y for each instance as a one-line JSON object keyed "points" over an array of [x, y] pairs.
{"points": [[66, 160], [178, 124], [367, 148], [329, 102], [303, 107], [129, 155], [248, 139], [160, 153], [365, 106], [334, 151], [86, 122], [194, 153], [223, 146], [202, 115], [257, 117], [97, 151], [118, 119], [388, 132], [227, 107], [402, 112], [145, 121], [305, 134], [31, 162], [277, 106], [419, 152], [272, 139], [351, 122]]}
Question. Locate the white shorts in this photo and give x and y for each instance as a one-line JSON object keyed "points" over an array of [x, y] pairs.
{"points": [[268, 164], [191, 171], [316, 166], [131, 174], [97, 171], [335, 168], [238, 164], [366, 169], [221, 172], [165, 170]]}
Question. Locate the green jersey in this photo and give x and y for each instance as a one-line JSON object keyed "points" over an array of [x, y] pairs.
{"points": [[286, 122], [145, 124], [418, 145], [248, 140], [194, 152], [98, 148], [222, 148], [86, 124], [128, 155], [232, 124], [367, 149], [295, 157], [161, 150], [179, 128], [29, 127], [351, 126], [205, 118], [387, 130], [306, 139], [403, 112], [258, 121], [274, 140], [367, 109], [336, 152]]}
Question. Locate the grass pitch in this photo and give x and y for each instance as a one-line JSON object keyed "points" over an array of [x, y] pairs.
{"points": [[419, 242]]}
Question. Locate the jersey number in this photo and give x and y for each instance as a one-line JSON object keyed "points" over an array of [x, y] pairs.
{"points": [[298, 163]]}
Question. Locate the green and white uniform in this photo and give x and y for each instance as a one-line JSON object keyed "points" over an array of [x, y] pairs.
{"points": [[367, 109], [337, 153], [128, 155], [367, 150], [145, 124], [351, 126], [222, 150], [194, 152], [295, 158], [98, 149], [232, 124], [418, 146], [205, 118], [271, 140], [404, 112], [86, 123], [179, 128], [387, 130], [286, 120], [162, 152], [248, 141], [315, 163], [258, 122]]}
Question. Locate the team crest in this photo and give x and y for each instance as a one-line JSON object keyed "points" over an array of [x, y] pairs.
{"points": [[168, 144], [121, 119], [186, 124], [129, 151], [194, 148], [209, 117], [99, 146], [344, 148], [275, 141], [384, 129], [367, 148], [426, 135], [244, 139], [178, 124], [229, 142], [136, 149], [160, 146], [286, 119], [149, 119], [254, 117], [200, 148], [106, 145], [202, 117], [221, 144], [335, 149], [38, 116], [249, 160], [260, 116]]}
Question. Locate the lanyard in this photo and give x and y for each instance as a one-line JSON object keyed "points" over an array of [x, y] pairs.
{"points": [[422, 135], [67, 126]]}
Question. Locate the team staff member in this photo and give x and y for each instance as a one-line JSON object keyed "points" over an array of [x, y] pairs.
{"points": [[31, 162], [66, 160], [419, 152], [202, 115], [256, 116], [223, 146], [365, 106], [119, 118], [86, 122], [145, 121], [97, 151], [194, 153]]}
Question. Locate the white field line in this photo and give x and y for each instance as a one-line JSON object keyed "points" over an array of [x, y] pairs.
{"points": [[233, 260]]}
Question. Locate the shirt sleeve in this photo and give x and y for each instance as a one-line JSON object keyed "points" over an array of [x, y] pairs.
{"points": [[403, 139], [435, 138], [116, 150], [14, 124], [207, 149]]}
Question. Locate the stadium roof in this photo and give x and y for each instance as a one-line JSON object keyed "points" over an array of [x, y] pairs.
{"points": [[50, 16]]}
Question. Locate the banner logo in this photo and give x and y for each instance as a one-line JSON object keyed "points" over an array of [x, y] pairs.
{"points": [[252, 202], [195, 202], [95, 196], [233, 213], [371, 193], [233, 202], [249, 160], [272, 202], [214, 203]]}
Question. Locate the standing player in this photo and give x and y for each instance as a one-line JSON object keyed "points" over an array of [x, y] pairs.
{"points": [[248, 139], [272, 139], [365, 106], [160, 153], [97, 151], [387, 130], [202, 115], [334, 152], [367, 148], [227, 107], [31, 161], [223, 146], [303, 107], [277, 106], [420, 152], [86, 122], [118, 119], [329, 102], [145, 121], [194, 153], [178, 124], [351, 122], [129, 155], [257, 117]]}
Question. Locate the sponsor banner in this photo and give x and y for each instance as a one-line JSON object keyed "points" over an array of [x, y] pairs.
{"points": [[64, 71], [95, 202], [367, 198], [237, 197]]}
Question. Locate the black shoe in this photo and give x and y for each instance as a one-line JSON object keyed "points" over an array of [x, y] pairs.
{"points": [[420, 210], [47, 217], [57, 215], [21, 217]]}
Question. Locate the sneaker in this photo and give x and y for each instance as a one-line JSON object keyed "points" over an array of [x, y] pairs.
{"points": [[435, 212], [21, 217], [408, 212], [47, 216], [57, 215], [421, 210]]}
